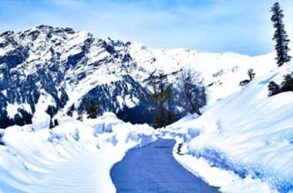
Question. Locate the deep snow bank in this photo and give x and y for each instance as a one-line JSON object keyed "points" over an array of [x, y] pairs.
{"points": [[248, 133], [73, 157]]}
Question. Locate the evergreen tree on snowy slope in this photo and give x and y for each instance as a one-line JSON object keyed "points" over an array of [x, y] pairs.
{"points": [[280, 35]]}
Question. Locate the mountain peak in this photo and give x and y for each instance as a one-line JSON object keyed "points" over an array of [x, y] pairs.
{"points": [[48, 28], [7, 33]]}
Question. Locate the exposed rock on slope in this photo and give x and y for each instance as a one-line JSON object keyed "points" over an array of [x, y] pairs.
{"points": [[74, 68]]}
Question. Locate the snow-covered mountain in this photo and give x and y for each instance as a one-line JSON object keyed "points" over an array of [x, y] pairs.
{"points": [[69, 68], [61, 71]]}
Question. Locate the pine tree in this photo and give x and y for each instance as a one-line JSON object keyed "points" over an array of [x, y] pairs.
{"points": [[92, 109], [161, 97], [273, 88], [287, 84], [280, 35]]}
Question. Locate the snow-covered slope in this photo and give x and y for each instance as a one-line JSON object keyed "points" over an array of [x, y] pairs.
{"points": [[247, 133], [74, 157], [221, 72], [75, 68]]}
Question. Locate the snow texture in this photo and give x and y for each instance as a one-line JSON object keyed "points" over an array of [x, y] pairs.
{"points": [[247, 133], [73, 157]]}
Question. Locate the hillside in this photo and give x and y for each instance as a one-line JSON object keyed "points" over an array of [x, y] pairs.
{"points": [[248, 134]]}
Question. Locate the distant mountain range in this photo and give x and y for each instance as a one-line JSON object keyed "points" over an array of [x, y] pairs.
{"points": [[62, 71]]}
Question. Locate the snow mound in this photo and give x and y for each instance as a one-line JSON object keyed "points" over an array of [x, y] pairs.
{"points": [[72, 157], [248, 133]]}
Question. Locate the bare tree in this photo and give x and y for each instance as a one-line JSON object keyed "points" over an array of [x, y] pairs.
{"points": [[251, 76], [191, 91]]}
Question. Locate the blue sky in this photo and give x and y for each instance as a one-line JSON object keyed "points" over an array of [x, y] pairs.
{"points": [[242, 26]]}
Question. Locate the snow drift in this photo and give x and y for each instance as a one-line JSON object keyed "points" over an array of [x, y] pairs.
{"points": [[73, 157], [247, 133]]}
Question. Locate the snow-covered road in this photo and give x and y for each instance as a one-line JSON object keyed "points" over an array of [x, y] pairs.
{"points": [[152, 169]]}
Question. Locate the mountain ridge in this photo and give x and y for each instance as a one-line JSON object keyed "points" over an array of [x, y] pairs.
{"points": [[74, 68]]}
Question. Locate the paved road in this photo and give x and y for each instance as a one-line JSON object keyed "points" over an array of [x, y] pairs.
{"points": [[152, 169]]}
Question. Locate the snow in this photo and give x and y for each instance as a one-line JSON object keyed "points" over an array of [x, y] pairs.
{"points": [[72, 45], [247, 133], [72, 157], [227, 180], [131, 102], [12, 109], [41, 119], [88, 83], [97, 52], [6, 49], [221, 71], [2, 52]]}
